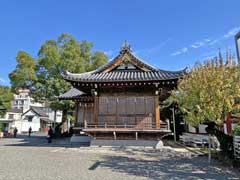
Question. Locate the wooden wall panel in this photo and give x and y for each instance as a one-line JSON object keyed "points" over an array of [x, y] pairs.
{"points": [[103, 105], [144, 122], [110, 120], [150, 105], [131, 111], [140, 105], [80, 114], [130, 105], [112, 105], [122, 108]]}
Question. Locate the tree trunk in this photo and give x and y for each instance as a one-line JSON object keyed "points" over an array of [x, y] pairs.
{"points": [[64, 122]]}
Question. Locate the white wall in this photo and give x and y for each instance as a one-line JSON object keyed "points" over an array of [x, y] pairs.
{"points": [[58, 116], [35, 124]]}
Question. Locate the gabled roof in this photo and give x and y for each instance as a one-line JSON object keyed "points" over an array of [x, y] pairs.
{"points": [[110, 73], [128, 53], [73, 93], [37, 110]]}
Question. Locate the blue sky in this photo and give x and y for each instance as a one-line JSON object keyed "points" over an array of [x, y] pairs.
{"points": [[170, 34]]}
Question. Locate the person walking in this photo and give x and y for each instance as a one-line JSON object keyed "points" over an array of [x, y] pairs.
{"points": [[50, 134], [29, 131], [15, 132]]}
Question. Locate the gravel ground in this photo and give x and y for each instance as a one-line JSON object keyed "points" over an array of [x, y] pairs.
{"points": [[33, 159]]}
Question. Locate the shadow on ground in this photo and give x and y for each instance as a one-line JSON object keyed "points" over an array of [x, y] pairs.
{"points": [[167, 168], [38, 141]]}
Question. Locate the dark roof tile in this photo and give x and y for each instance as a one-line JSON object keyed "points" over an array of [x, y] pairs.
{"points": [[72, 93]]}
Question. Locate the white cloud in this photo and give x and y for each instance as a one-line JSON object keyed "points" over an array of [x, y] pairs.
{"points": [[232, 32], [207, 40], [2, 80], [214, 41], [201, 43], [197, 45], [181, 51]]}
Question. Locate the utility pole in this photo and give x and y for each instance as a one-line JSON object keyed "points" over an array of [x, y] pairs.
{"points": [[54, 121], [209, 149], [174, 124]]}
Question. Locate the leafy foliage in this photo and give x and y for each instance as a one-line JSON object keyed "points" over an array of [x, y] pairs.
{"points": [[43, 75], [236, 130], [6, 97], [24, 75], [209, 91], [66, 53]]}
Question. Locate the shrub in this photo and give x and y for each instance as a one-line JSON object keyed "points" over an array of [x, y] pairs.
{"points": [[236, 130]]}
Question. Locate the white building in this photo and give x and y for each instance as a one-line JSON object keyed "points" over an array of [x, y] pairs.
{"points": [[23, 101], [39, 118], [26, 113], [11, 119]]}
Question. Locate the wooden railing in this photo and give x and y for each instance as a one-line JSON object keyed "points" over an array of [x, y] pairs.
{"points": [[126, 126]]}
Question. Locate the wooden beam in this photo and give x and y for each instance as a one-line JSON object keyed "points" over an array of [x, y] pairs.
{"points": [[157, 112], [77, 109], [95, 110]]}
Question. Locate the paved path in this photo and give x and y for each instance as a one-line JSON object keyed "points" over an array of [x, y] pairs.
{"points": [[32, 158]]}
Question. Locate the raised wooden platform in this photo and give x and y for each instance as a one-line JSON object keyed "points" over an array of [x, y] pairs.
{"points": [[127, 130], [123, 133]]}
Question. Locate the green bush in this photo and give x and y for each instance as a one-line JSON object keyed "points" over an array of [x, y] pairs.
{"points": [[236, 130], [1, 127]]}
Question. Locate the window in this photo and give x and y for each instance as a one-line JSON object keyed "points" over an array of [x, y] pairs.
{"points": [[10, 116], [30, 118]]}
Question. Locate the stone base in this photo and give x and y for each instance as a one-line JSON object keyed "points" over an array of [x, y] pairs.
{"points": [[80, 139]]}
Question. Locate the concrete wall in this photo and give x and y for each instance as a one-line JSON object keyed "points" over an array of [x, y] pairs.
{"points": [[35, 124]]}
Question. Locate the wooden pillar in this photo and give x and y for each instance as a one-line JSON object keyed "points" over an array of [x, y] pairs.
{"points": [[157, 112], [76, 111], [96, 104], [114, 135]]}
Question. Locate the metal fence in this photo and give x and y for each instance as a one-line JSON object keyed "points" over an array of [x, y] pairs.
{"points": [[236, 143]]}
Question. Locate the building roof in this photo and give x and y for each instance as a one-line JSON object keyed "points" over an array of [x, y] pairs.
{"points": [[124, 76], [15, 110], [37, 110], [73, 93], [46, 119], [112, 71]]}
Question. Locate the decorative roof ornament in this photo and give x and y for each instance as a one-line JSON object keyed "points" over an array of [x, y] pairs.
{"points": [[126, 47]]}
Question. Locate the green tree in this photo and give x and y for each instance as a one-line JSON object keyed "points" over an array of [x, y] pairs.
{"points": [[66, 53], [209, 92], [43, 75], [6, 97], [98, 59], [24, 75]]}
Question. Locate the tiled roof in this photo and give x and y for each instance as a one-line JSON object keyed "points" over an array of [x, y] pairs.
{"points": [[73, 93], [107, 73], [133, 58], [114, 76], [39, 111]]}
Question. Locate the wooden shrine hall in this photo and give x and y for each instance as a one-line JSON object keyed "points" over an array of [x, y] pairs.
{"points": [[121, 98]]}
